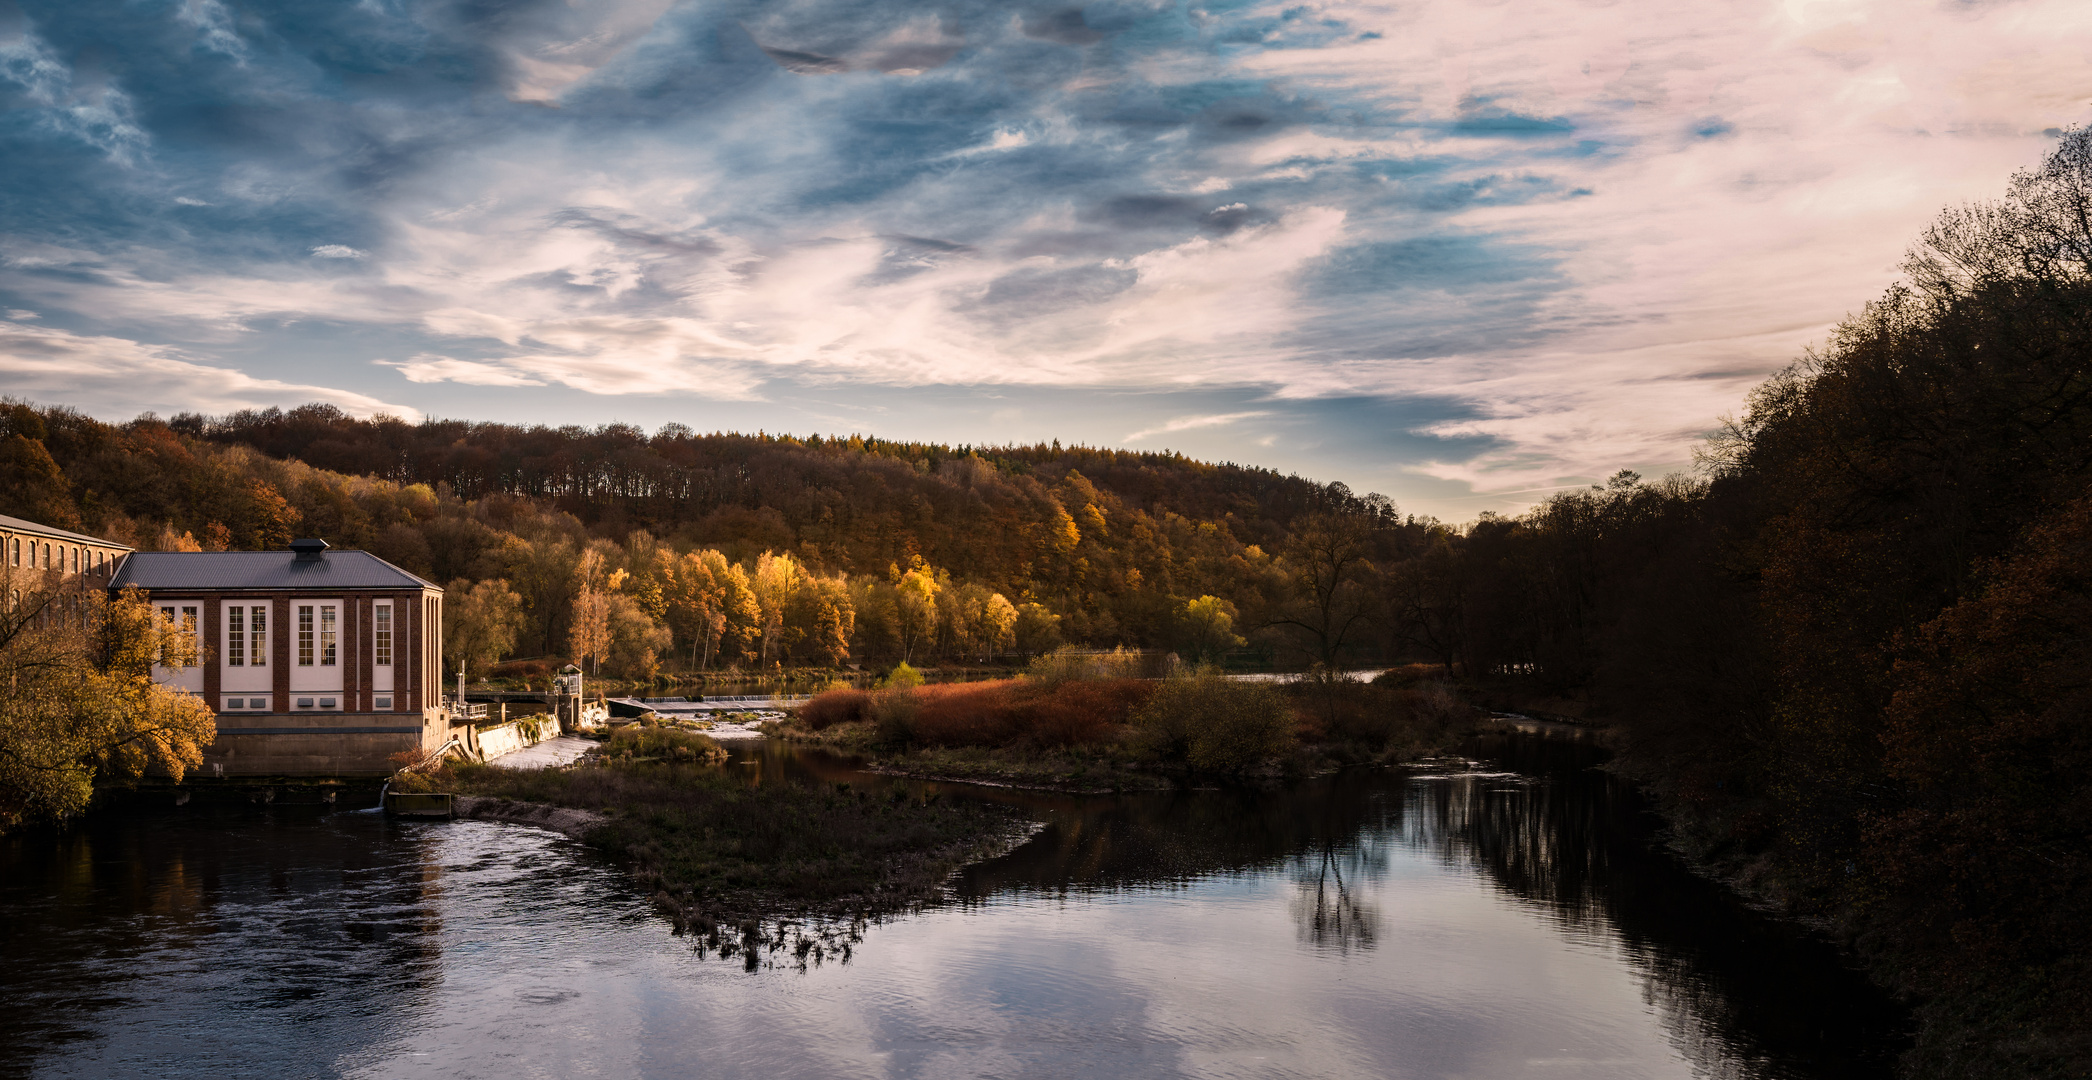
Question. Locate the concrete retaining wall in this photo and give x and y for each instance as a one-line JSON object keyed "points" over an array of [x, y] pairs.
{"points": [[515, 735]]}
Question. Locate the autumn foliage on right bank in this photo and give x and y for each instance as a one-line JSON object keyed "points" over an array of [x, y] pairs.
{"points": [[1853, 657]]}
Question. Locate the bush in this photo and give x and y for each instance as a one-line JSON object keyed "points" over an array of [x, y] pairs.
{"points": [[965, 714], [1070, 664], [999, 712], [1215, 724], [1082, 713], [893, 716], [902, 677], [635, 742], [832, 707]]}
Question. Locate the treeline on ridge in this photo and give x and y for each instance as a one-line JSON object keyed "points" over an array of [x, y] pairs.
{"points": [[683, 551]]}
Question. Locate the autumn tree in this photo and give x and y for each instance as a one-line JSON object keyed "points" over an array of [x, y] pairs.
{"points": [[481, 624], [80, 700], [1327, 565], [589, 635], [1209, 628], [1036, 629], [915, 610]]}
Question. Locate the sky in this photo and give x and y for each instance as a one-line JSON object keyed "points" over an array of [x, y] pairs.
{"points": [[1465, 254]]}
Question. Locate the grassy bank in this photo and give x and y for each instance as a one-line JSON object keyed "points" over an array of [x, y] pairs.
{"points": [[720, 857], [1092, 731]]}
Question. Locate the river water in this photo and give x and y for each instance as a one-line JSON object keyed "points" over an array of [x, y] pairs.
{"points": [[1502, 918]]}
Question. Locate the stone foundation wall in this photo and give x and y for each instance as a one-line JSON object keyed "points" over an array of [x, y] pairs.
{"points": [[309, 744]]}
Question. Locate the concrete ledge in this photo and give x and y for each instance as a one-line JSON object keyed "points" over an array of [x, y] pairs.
{"points": [[575, 823], [319, 731]]}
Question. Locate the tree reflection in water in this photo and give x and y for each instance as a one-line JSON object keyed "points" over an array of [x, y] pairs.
{"points": [[1537, 819], [1332, 916]]}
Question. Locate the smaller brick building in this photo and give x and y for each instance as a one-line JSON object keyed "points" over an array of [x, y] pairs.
{"points": [[26, 546], [317, 662]]}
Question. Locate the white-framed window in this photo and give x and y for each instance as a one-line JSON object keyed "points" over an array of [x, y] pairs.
{"points": [[257, 635], [235, 638], [305, 636], [381, 623], [187, 620], [328, 635]]}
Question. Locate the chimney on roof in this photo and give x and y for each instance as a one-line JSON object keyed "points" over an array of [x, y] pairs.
{"points": [[308, 550]]}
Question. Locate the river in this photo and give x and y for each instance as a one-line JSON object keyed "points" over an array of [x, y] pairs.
{"points": [[1508, 917]]}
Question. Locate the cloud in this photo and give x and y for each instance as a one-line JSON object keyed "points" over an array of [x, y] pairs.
{"points": [[429, 368], [1186, 423], [1572, 235], [116, 377], [90, 109]]}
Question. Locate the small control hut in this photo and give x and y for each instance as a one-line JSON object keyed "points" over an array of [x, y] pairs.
{"points": [[317, 662]]}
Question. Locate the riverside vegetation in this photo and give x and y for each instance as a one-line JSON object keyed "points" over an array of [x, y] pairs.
{"points": [[1089, 722], [725, 860]]}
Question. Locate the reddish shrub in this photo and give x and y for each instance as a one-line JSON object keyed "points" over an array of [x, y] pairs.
{"points": [[836, 707], [1006, 712], [1074, 713], [965, 714]]}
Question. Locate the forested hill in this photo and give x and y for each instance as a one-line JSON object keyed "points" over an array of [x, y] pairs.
{"points": [[860, 500], [1004, 548]]}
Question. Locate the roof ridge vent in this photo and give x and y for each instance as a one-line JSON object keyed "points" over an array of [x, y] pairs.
{"points": [[308, 550]]}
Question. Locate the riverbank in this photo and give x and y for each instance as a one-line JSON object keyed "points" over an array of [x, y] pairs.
{"points": [[1106, 734], [1081, 770], [719, 855], [1970, 1023]]}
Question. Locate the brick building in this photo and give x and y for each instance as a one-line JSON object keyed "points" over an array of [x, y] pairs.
{"points": [[26, 547], [317, 662]]}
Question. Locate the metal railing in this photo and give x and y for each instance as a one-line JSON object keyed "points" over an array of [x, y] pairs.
{"points": [[460, 710]]}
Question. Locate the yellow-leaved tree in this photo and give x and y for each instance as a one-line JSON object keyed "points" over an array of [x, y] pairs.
{"points": [[77, 698]]}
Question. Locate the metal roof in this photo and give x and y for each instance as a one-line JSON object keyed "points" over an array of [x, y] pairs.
{"points": [[15, 524], [211, 571]]}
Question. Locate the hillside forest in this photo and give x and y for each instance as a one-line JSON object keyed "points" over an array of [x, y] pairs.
{"points": [[677, 552], [1849, 655]]}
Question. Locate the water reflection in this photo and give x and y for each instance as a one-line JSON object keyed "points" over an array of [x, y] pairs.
{"points": [[1331, 914], [1501, 918]]}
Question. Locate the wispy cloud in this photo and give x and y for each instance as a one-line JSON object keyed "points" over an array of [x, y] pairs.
{"points": [[122, 377], [1187, 423]]}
